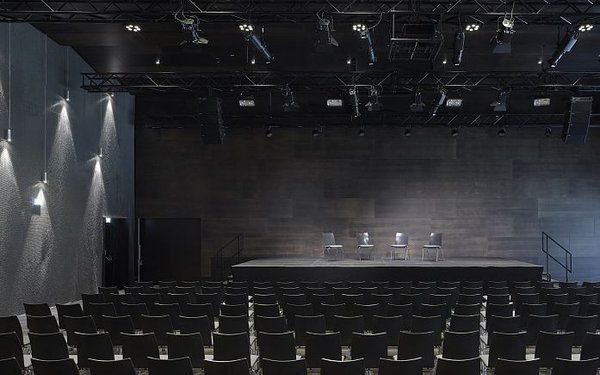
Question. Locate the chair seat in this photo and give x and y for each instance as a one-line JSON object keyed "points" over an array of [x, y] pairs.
{"points": [[431, 246], [366, 246], [334, 246], [399, 246]]}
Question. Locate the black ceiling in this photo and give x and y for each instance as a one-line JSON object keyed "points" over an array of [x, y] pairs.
{"points": [[96, 31]]}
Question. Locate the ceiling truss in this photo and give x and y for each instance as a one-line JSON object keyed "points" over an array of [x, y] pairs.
{"points": [[562, 12], [388, 81]]}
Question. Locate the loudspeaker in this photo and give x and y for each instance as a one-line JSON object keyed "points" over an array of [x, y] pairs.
{"points": [[210, 119], [578, 120]]}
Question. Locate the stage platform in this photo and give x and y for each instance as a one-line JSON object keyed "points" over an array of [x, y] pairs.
{"points": [[451, 269]]}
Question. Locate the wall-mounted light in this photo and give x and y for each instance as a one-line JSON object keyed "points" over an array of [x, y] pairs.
{"points": [[100, 153], [67, 95], [7, 135], [45, 177], [36, 205], [112, 94]]}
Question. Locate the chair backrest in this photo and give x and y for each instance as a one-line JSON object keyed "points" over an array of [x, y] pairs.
{"points": [[581, 325], [417, 344], [513, 367], [328, 239], [346, 325], [266, 309], [234, 310], [42, 324], [370, 346], [591, 346], [446, 366], [159, 325], [339, 367], [277, 345], [53, 367], [276, 324], [362, 238], [231, 346], [10, 324], [308, 323], [287, 367], [551, 345], [233, 324], [435, 239], [401, 239], [464, 323], [428, 324], [139, 347], [508, 346], [48, 345], [93, 345], [392, 325], [197, 324], [84, 324], [186, 345], [229, 367], [569, 367], [461, 345], [73, 309], [10, 347], [114, 325], [171, 366], [413, 366], [10, 366], [114, 367], [37, 309], [322, 345]]}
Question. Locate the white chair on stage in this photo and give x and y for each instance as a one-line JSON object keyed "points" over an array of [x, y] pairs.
{"points": [[400, 243], [363, 246], [435, 243], [331, 249]]}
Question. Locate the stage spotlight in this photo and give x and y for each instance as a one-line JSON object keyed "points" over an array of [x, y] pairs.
{"points": [[501, 132], [361, 131], [541, 102], [418, 105], [324, 33], [374, 105], [459, 47], [504, 31], [440, 99], [289, 104], [365, 33], [454, 132], [564, 46], [500, 103], [133, 28], [586, 27], [246, 101], [354, 102], [407, 132], [157, 61], [335, 102], [454, 102], [269, 132], [472, 27], [258, 44], [548, 131]]}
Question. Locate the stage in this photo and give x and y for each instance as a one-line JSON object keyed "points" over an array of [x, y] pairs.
{"points": [[451, 269]]}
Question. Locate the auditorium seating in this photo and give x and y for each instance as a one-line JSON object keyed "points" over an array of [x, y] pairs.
{"points": [[388, 325]]}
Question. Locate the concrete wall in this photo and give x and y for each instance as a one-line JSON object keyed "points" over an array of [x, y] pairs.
{"points": [[490, 196], [57, 254]]}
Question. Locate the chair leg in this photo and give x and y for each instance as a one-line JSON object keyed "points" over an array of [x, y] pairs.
{"points": [[437, 253], [423, 254]]}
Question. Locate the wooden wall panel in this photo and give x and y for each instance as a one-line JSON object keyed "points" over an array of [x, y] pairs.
{"points": [[490, 196]]}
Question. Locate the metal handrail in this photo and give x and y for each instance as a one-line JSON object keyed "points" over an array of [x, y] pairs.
{"points": [[239, 239], [567, 266]]}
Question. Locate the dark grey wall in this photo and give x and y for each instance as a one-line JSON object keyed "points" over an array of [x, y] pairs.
{"points": [[490, 196], [55, 256]]}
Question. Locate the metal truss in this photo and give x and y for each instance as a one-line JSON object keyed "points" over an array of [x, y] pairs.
{"points": [[294, 11], [404, 119], [387, 81]]}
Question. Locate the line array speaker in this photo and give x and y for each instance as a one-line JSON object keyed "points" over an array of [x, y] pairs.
{"points": [[577, 122]]}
